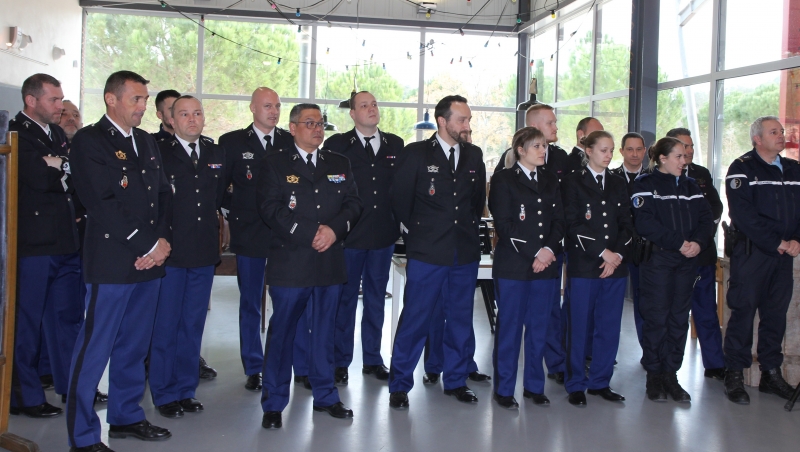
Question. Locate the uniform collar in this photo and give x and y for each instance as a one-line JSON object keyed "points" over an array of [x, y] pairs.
{"points": [[185, 144], [261, 135], [45, 127]]}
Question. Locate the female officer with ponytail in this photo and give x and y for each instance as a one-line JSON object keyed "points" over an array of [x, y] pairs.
{"points": [[671, 213]]}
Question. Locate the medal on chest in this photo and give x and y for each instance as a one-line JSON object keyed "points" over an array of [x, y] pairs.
{"points": [[588, 212], [124, 181], [172, 182], [292, 202], [522, 212], [432, 189], [249, 174]]}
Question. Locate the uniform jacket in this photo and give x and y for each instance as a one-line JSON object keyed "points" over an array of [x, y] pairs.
{"points": [[702, 177], [162, 135], [667, 214], [556, 161], [763, 201], [294, 205], [528, 216], [376, 228], [440, 211], [197, 194], [46, 221], [597, 219], [629, 183], [575, 160], [127, 199]]}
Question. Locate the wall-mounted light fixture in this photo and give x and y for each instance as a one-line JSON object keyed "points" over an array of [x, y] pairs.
{"points": [[17, 39], [58, 52]]}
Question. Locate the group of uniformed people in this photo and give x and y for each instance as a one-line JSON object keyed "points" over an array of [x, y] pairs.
{"points": [[316, 221]]}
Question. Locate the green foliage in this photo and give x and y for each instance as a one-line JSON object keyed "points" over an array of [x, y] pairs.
{"points": [[740, 108]]}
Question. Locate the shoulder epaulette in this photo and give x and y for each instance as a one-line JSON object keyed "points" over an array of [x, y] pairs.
{"points": [[745, 158], [207, 139]]}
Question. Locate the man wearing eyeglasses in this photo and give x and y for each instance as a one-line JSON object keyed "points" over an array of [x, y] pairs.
{"points": [[309, 199]]}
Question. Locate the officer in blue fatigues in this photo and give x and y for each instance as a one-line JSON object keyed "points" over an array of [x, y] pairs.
{"points": [[250, 236], [47, 248], [599, 230], [194, 167], [119, 177], [763, 189], [671, 212], [441, 235], [309, 199], [529, 220], [704, 296], [368, 248]]}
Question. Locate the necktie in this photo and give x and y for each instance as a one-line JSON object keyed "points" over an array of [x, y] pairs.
{"points": [[310, 163], [368, 147], [194, 156], [599, 178], [631, 176], [268, 144], [533, 179], [129, 139], [453, 160]]}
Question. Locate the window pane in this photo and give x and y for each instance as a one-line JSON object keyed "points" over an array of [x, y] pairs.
{"points": [[684, 39], [231, 69], [613, 114], [575, 58], [568, 119], [492, 79], [543, 50], [160, 49], [398, 121], [760, 33], [94, 108], [686, 107], [613, 52], [377, 58], [492, 132]]}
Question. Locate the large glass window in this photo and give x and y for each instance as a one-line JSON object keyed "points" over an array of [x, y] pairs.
{"points": [[684, 39], [686, 107], [543, 53], [568, 119], [760, 32], [613, 114], [613, 51], [492, 132], [575, 58]]}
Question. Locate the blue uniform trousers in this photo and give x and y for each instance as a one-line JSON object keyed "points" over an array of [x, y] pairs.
{"points": [[434, 350], [528, 304], [47, 307], [706, 321], [250, 277], [633, 272], [424, 284], [178, 333], [554, 355], [118, 327], [302, 340], [594, 307], [289, 303]]}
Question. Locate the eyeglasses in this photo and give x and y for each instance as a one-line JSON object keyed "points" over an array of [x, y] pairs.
{"points": [[312, 124]]}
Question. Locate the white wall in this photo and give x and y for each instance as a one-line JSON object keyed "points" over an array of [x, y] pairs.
{"points": [[50, 23]]}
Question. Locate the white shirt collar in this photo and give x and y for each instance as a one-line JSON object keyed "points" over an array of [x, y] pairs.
{"points": [[376, 141], [261, 136], [638, 171], [186, 147], [446, 148], [303, 155], [125, 135], [532, 175], [45, 127], [594, 174]]}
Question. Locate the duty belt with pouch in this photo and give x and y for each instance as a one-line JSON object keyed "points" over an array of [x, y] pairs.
{"points": [[733, 237], [639, 251]]}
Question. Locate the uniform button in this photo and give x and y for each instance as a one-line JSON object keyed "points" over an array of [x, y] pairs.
{"points": [[152, 205], [151, 221], [196, 176], [603, 203], [143, 171], [539, 200], [373, 164], [605, 225], [317, 206], [539, 212], [375, 207], [454, 180], [373, 177], [375, 192], [36, 213], [456, 207], [604, 214], [69, 199], [198, 218], [540, 224], [106, 235], [606, 237], [541, 236], [148, 187], [197, 190], [316, 190], [158, 166], [456, 221], [454, 193], [198, 204]]}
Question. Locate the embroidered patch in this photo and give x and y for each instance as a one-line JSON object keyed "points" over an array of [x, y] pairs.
{"points": [[638, 201], [292, 179], [121, 155], [433, 169], [336, 178], [247, 155], [215, 165], [736, 183]]}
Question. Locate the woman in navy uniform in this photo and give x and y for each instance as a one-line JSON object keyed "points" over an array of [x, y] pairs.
{"points": [[599, 230], [529, 220], [671, 212]]}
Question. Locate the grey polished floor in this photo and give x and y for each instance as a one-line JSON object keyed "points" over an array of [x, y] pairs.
{"points": [[435, 422]]}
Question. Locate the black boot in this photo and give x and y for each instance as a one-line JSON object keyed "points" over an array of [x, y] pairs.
{"points": [[655, 387], [734, 387], [772, 382], [674, 389]]}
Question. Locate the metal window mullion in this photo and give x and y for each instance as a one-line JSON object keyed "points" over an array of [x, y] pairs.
{"points": [[714, 145], [593, 58], [312, 89], [201, 50], [421, 86]]}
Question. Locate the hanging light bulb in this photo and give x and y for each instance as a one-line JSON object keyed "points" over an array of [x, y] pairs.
{"points": [[460, 30], [371, 55], [328, 51], [551, 57], [272, 4], [408, 55], [552, 14], [431, 52], [363, 43], [428, 14], [299, 28], [279, 61], [384, 66], [487, 44], [460, 59], [470, 63], [451, 60], [297, 13], [519, 20]]}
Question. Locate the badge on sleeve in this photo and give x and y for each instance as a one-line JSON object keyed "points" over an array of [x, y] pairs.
{"points": [[292, 202], [736, 183], [638, 201], [432, 189], [522, 212], [588, 212]]}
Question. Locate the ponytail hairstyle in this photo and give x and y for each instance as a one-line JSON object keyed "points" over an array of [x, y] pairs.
{"points": [[590, 140], [521, 138], [663, 147]]}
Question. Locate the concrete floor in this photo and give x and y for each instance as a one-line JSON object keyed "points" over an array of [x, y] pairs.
{"points": [[435, 422]]}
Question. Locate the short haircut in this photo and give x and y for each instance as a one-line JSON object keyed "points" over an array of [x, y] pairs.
{"points": [[663, 147], [757, 128], [443, 110], [185, 96], [535, 109], [117, 80], [353, 99], [583, 124], [294, 114], [163, 96], [631, 135], [524, 136], [34, 85], [679, 131]]}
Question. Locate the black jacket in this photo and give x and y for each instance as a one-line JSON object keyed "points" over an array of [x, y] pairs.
{"points": [[575, 160], [597, 219], [702, 177], [376, 228], [667, 214], [197, 194], [162, 135], [528, 216], [244, 153], [621, 172], [127, 198], [763, 201], [294, 205], [46, 222], [441, 211], [557, 162]]}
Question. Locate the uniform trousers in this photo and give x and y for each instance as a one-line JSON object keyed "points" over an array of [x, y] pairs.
{"points": [[178, 332], [554, 355], [433, 353], [633, 272], [521, 304], [759, 283], [250, 277], [118, 328], [289, 303], [706, 321]]}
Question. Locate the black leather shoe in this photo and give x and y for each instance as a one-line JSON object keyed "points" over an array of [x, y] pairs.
{"points": [[191, 405], [557, 376], [171, 410], [272, 419], [717, 373], [655, 387], [398, 399], [44, 410], [99, 397], [577, 398], [303, 379], [337, 410], [734, 387], [538, 399], [430, 378], [206, 372], [341, 376], [143, 430], [607, 394], [674, 389], [381, 372], [477, 376], [463, 394], [99, 447], [772, 382], [47, 381], [253, 382], [508, 402]]}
